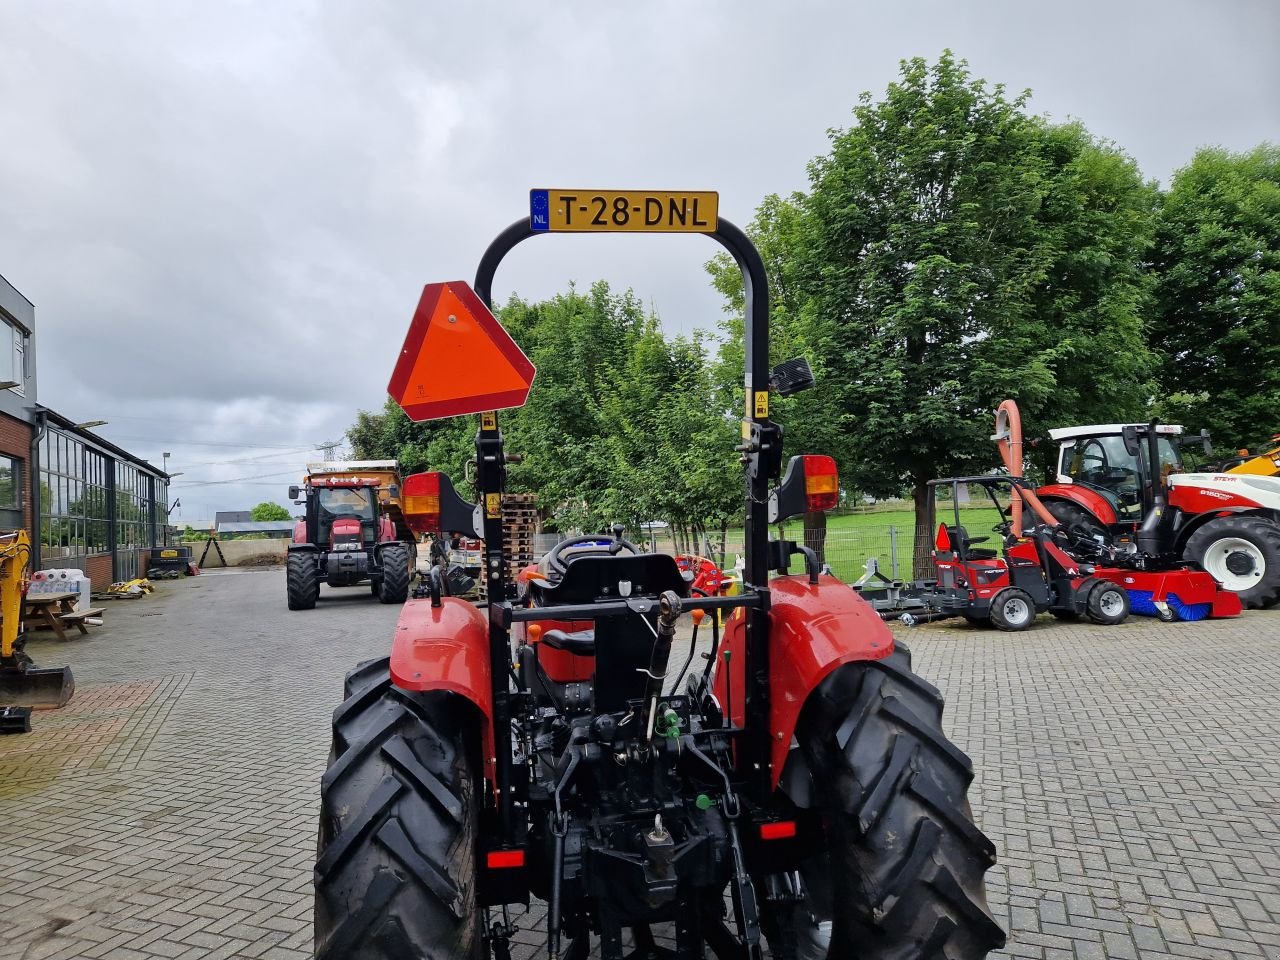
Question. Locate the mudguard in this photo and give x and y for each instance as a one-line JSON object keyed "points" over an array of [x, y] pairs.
{"points": [[446, 648], [813, 628], [1083, 497]]}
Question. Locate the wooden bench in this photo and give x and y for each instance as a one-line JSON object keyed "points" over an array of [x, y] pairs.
{"points": [[79, 618]]}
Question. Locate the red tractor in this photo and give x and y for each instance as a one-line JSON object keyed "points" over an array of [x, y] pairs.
{"points": [[795, 791], [1126, 484], [353, 532]]}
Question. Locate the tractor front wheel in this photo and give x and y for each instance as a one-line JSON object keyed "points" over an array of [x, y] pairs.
{"points": [[395, 873], [1013, 609], [393, 586], [1243, 554], [902, 872], [1107, 604], [302, 580]]}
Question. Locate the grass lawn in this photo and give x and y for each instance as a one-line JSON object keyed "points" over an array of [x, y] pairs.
{"points": [[876, 532]]}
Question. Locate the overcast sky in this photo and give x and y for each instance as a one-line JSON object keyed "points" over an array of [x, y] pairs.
{"points": [[225, 212]]}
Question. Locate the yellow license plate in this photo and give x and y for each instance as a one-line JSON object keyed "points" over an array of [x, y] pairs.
{"points": [[166, 554], [624, 211]]}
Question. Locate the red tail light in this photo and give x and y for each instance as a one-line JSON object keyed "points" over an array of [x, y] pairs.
{"points": [[504, 859], [420, 502], [781, 830], [821, 482]]}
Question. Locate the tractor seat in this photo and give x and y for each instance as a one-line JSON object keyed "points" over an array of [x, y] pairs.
{"points": [[580, 643], [589, 577], [963, 545]]}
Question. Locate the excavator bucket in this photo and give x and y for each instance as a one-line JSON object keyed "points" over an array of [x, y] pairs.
{"points": [[41, 688]]}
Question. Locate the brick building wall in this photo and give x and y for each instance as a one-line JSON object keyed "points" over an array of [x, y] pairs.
{"points": [[98, 570], [15, 441]]}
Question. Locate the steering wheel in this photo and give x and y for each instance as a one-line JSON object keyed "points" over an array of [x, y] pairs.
{"points": [[615, 545]]}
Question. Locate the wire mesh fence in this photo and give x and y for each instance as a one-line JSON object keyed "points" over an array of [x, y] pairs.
{"points": [[846, 552]]}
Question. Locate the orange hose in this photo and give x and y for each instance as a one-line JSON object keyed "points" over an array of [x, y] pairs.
{"points": [[1008, 438]]}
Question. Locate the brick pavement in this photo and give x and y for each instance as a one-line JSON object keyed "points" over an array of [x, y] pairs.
{"points": [[1130, 777]]}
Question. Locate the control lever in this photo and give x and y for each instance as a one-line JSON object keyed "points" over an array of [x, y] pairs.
{"points": [[668, 614]]}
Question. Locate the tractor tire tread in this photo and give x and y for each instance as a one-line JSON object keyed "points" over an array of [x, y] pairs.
{"points": [[1265, 532], [302, 581], [395, 873], [393, 586], [897, 777]]}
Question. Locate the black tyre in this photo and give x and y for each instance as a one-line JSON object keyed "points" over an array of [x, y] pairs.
{"points": [[1243, 554], [302, 580], [1107, 604], [902, 875], [393, 587], [395, 871], [1012, 609]]}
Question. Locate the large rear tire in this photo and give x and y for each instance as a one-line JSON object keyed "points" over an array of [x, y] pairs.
{"points": [[395, 872], [302, 581], [393, 587], [1243, 554], [902, 878]]}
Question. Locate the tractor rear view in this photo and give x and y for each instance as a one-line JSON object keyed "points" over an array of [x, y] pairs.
{"points": [[353, 532], [793, 792]]}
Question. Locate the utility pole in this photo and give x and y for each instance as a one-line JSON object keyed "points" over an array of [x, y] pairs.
{"points": [[329, 449]]}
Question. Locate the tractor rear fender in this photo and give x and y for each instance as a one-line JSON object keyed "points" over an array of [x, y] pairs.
{"points": [[1083, 497], [446, 648], [303, 548], [813, 628]]}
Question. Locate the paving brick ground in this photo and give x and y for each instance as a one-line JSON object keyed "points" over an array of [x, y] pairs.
{"points": [[1130, 777]]}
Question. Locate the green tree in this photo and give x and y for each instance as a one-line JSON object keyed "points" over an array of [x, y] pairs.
{"points": [[267, 512], [1217, 267], [954, 250]]}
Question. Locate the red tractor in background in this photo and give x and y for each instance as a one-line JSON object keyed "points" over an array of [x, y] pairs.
{"points": [[353, 532], [797, 790], [1150, 551]]}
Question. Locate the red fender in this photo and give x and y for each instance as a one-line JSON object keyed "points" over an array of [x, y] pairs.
{"points": [[1090, 500], [446, 648], [300, 531], [813, 629]]}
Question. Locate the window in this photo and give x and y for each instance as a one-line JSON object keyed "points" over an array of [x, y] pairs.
{"points": [[64, 495], [10, 483], [13, 356]]}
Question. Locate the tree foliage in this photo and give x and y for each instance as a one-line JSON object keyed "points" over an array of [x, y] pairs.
{"points": [[954, 250], [267, 512], [1217, 260]]}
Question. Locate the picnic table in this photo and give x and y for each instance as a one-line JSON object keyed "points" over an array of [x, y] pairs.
{"points": [[55, 611]]}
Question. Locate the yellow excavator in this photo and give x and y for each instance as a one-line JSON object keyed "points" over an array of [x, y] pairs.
{"points": [[23, 687], [1259, 464]]}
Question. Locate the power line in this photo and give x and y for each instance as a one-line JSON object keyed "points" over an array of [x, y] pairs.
{"points": [[215, 483], [206, 443]]}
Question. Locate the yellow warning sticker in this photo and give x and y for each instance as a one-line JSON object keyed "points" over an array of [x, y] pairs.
{"points": [[762, 403], [489, 421], [493, 504]]}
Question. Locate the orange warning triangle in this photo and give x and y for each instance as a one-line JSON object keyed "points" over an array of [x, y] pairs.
{"points": [[457, 359]]}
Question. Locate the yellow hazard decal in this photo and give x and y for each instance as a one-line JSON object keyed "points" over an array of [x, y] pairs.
{"points": [[493, 504], [489, 421], [762, 403]]}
